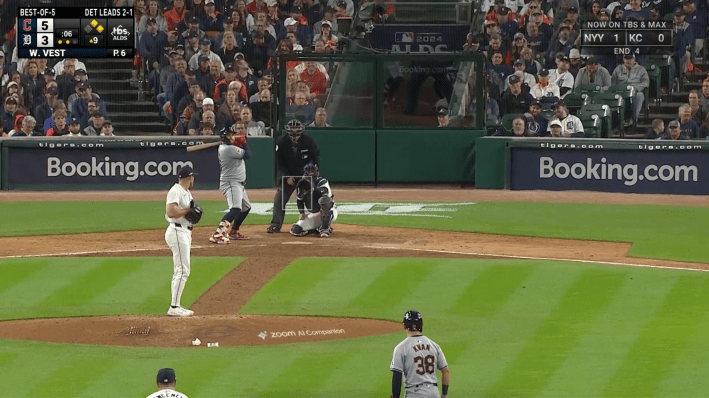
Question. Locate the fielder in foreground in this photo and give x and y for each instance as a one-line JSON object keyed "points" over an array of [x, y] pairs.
{"points": [[416, 360], [232, 183], [182, 213], [314, 196], [166, 385]]}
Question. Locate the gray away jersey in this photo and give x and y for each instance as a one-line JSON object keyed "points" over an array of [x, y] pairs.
{"points": [[231, 163], [418, 357]]}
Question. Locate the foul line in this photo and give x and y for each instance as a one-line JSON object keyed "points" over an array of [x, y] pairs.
{"points": [[538, 258], [93, 252]]}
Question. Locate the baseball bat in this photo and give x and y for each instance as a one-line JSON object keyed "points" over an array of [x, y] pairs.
{"points": [[202, 146]]}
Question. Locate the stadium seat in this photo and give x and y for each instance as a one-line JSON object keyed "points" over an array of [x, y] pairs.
{"points": [[602, 111], [591, 125], [616, 103], [628, 93], [589, 89], [575, 100], [657, 68]]}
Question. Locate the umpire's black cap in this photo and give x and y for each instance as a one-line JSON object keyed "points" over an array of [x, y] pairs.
{"points": [[185, 172], [167, 375]]}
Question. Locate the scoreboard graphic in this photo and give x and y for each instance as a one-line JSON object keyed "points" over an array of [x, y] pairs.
{"points": [[76, 32], [626, 37]]}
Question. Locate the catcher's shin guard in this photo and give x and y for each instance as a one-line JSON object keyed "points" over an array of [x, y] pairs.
{"points": [[326, 203]]}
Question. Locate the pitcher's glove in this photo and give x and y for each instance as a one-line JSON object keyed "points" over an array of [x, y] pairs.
{"points": [[195, 213]]}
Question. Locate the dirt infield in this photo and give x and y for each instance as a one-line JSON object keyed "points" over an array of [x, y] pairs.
{"points": [[217, 310]]}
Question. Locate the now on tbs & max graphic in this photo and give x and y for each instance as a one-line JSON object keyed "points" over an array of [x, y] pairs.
{"points": [[671, 172]]}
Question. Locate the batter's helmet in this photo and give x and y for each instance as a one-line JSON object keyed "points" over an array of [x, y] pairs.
{"points": [[295, 129], [311, 169], [224, 134], [413, 320]]}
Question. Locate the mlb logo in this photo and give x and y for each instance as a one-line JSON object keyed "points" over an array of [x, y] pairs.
{"points": [[27, 25], [404, 37]]}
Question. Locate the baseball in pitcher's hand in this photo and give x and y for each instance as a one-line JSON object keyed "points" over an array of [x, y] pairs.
{"points": [[290, 181]]}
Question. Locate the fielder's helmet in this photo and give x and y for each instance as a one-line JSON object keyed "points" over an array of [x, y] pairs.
{"points": [[311, 170], [413, 320], [295, 129]]}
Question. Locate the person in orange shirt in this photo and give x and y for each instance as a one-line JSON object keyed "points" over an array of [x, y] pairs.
{"points": [[176, 14], [314, 78]]}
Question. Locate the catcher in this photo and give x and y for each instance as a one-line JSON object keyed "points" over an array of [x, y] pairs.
{"points": [[314, 195], [182, 213], [232, 183]]}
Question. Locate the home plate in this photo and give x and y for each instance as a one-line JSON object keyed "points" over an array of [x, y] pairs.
{"points": [[297, 243]]}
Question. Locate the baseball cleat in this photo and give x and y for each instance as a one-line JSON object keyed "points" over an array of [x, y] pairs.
{"points": [[272, 230], [236, 235], [219, 239], [189, 312], [325, 232], [179, 311]]}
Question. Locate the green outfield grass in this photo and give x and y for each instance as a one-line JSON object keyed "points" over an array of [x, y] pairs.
{"points": [[508, 328], [664, 232]]}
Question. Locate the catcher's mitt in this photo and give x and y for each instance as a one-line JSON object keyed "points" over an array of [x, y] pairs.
{"points": [[195, 213], [303, 188]]}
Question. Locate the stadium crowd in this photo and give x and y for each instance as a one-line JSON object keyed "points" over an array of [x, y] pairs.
{"points": [[537, 70]]}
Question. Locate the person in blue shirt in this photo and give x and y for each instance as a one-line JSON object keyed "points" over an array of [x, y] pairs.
{"points": [[636, 11]]}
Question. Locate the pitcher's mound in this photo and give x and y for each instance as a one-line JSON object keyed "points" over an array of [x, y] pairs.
{"points": [[164, 331]]}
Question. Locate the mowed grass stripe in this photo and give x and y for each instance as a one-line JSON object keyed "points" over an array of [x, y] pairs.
{"points": [[73, 377], [14, 272], [306, 374], [492, 342], [598, 353], [151, 275], [390, 288], [86, 287], [687, 377], [546, 350], [663, 341], [282, 293], [21, 300], [490, 290]]}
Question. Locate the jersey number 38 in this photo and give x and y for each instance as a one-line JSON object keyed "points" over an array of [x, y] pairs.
{"points": [[425, 364]]}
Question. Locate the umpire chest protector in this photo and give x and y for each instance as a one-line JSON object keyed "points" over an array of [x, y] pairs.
{"points": [[292, 158]]}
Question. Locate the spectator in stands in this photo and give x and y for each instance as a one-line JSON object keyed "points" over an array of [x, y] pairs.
{"points": [[203, 106], [140, 9], [253, 128], [301, 32], [698, 112], [572, 14], [636, 12], [17, 126], [687, 126], [656, 131], [45, 110], [674, 132], [326, 34], [197, 7], [545, 92], [213, 79], [152, 43], [269, 32], [73, 128], [321, 118], [561, 75], [313, 12], [263, 84], [594, 12], [343, 8], [202, 73], [176, 14], [535, 39], [617, 13], [65, 81], [204, 50], [519, 127], [80, 109], [208, 118], [246, 16], [302, 108], [237, 24], [562, 44], [27, 127], [32, 81], [206, 129], [593, 73], [514, 99], [193, 28], [506, 21], [60, 126], [275, 17], [314, 78], [499, 68], [175, 89], [526, 12], [496, 44], [697, 20], [219, 39], [544, 27], [575, 63], [682, 39], [635, 75], [223, 113], [262, 108], [532, 66], [59, 66], [107, 128], [244, 75], [257, 52], [293, 39], [48, 75], [571, 125], [296, 12], [704, 98], [9, 112], [192, 45], [224, 85], [527, 78], [255, 6], [519, 44], [154, 12], [212, 20], [442, 114], [555, 129], [537, 124], [181, 126], [95, 125]]}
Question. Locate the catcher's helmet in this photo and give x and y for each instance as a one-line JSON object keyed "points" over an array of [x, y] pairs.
{"points": [[295, 129], [311, 170], [413, 320]]}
